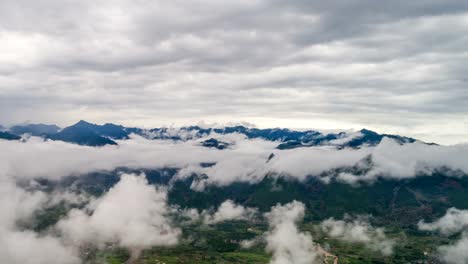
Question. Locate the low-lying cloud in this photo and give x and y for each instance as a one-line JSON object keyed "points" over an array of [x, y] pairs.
{"points": [[284, 241], [244, 161], [229, 210], [455, 253], [132, 214], [454, 221], [359, 231], [19, 246]]}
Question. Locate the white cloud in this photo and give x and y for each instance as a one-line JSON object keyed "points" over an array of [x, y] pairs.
{"points": [[132, 214], [302, 162], [23, 246], [229, 210], [452, 222], [359, 231], [249, 243], [26, 247], [455, 253], [346, 138], [284, 241], [244, 161]]}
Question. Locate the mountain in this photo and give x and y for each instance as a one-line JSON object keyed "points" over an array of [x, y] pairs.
{"points": [[390, 201], [293, 139], [85, 133], [106, 130], [372, 138], [34, 129], [8, 136], [364, 137], [214, 143], [82, 133], [287, 139]]}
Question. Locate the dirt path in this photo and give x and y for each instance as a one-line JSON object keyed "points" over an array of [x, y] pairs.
{"points": [[327, 254]]}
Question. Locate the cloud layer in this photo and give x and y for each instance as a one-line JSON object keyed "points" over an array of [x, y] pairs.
{"points": [[396, 67], [245, 161]]}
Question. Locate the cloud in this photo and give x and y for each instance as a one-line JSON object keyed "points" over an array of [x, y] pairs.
{"points": [[214, 63], [346, 139], [389, 160], [249, 243], [452, 222], [132, 214], [455, 253], [359, 231], [244, 161], [284, 241], [302, 162], [55, 159], [19, 246], [26, 247], [228, 210]]}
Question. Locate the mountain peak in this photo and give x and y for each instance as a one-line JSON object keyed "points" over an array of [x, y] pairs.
{"points": [[8, 136], [34, 129], [367, 131], [83, 122]]}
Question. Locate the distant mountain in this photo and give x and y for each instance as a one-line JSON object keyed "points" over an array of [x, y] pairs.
{"points": [[214, 143], [83, 133], [372, 138], [8, 136], [287, 139], [34, 129], [106, 130], [355, 140]]}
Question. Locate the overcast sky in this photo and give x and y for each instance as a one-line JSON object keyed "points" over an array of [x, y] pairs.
{"points": [[393, 66]]}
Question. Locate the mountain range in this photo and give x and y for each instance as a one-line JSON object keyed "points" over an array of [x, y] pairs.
{"points": [[89, 134]]}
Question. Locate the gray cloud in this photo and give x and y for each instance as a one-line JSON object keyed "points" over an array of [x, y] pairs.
{"points": [[273, 63]]}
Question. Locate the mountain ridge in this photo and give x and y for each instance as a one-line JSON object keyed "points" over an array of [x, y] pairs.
{"points": [[86, 133]]}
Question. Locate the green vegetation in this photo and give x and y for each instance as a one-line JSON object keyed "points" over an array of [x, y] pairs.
{"points": [[215, 244], [396, 205]]}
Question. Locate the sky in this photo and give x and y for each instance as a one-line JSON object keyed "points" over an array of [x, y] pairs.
{"points": [[391, 66]]}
